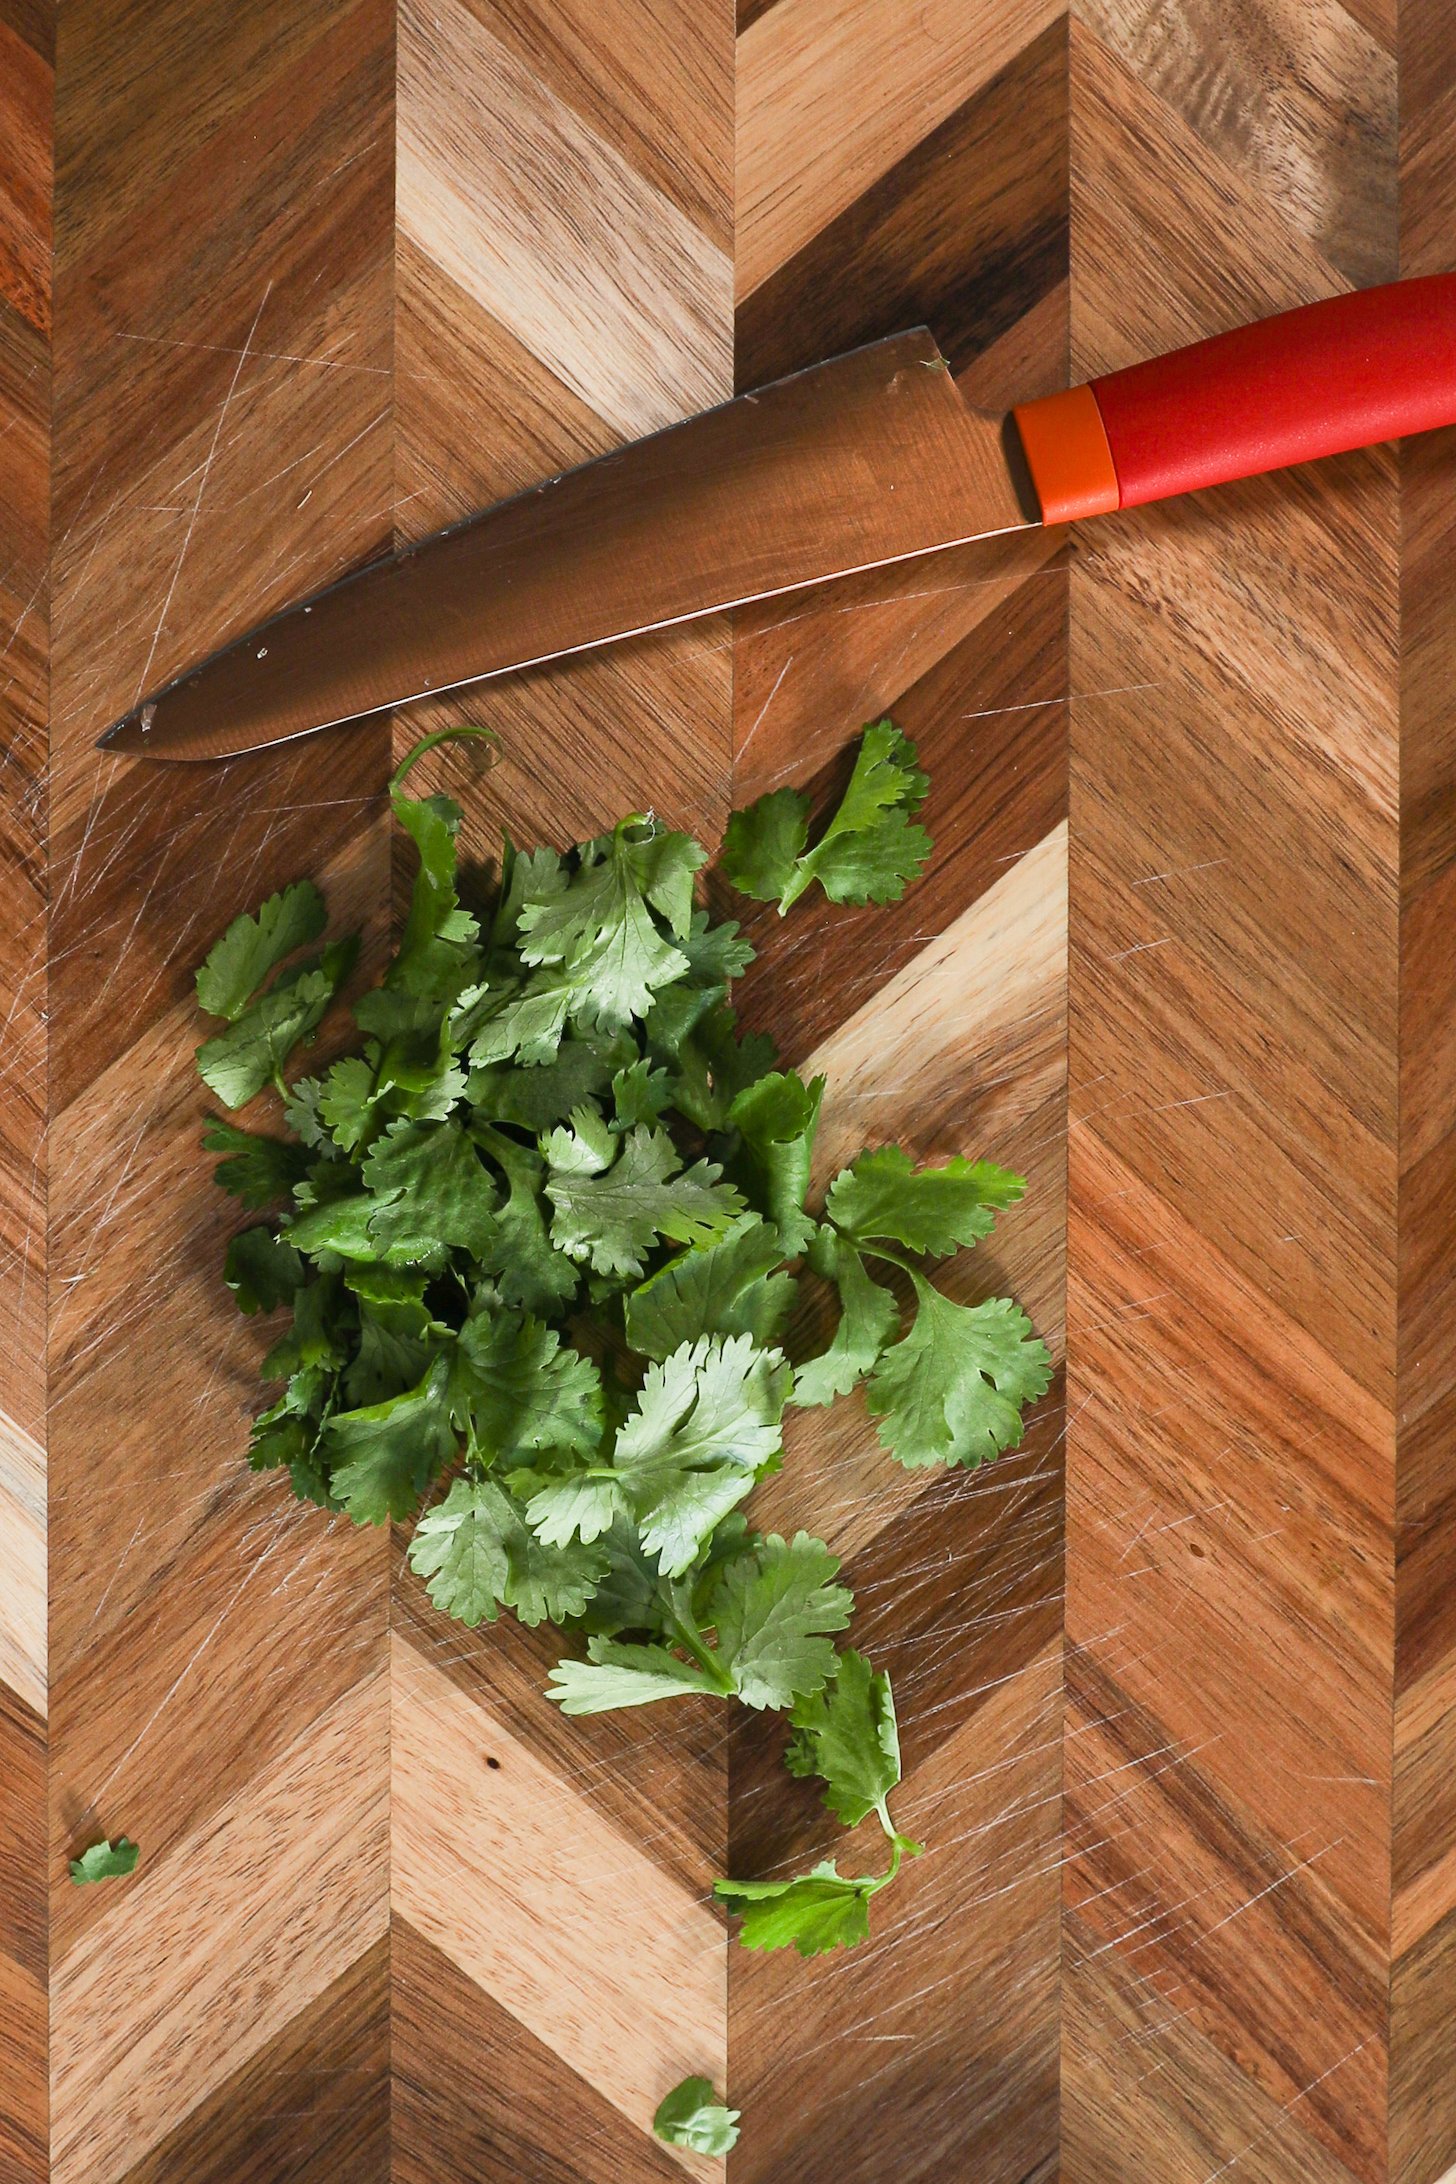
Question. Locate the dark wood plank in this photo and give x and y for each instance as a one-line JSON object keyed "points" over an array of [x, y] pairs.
{"points": [[310, 2107], [507, 2110]]}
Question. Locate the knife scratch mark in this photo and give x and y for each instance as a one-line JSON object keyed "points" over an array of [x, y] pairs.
{"points": [[201, 489]]}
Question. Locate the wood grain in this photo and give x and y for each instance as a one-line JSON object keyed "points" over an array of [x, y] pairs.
{"points": [[562, 282], [222, 374], [1423, 1976], [25, 294], [1258, 1507], [940, 1024]]}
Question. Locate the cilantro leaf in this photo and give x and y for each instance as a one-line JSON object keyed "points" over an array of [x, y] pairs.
{"points": [[430, 1190], [602, 929], [848, 1734], [777, 1118], [252, 1050], [529, 1271], [716, 953], [692, 1033], [615, 1675], [238, 963], [535, 1098], [260, 1170], [437, 955], [610, 1209], [772, 1607], [384, 1456], [478, 1557], [691, 2115], [517, 1021], [926, 1209], [868, 1316], [868, 852], [726, 1287], [262, 1270], [460, 1547], [639, 1094], [105, 1861], [952, 1390], [706, 1420], [763, 845], [817, 1911], [520, 1388]]}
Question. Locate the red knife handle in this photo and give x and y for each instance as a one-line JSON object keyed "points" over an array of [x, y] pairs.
{"points": [[1344, 373]]}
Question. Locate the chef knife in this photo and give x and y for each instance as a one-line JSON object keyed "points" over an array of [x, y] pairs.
{"points": [[869, 459]]}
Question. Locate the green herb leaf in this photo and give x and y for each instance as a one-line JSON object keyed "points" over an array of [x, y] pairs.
{"points": [[847, 1733], [479, 1556], [430, 1190], [726, 1287], [707, 1419], [612, 1206], [238, 963], [691, 2115], [259, 1170], [105, 1861], [615, 1676], [952, 1391], [763, 845], [384, 1456], [868, 1317], [261, 1270], [253, 1049], [815, 1912], [869, 851], [772, 1607], [521, 1388], [926, 1209], [777, 1118], [601, 927]]}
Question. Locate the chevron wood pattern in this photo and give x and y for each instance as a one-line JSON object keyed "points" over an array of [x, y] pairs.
{"points": [[563, 281], [1258, 1947], [222, 350], [940, 1024], [1423, 1937], [26, 57], [329, 273]]}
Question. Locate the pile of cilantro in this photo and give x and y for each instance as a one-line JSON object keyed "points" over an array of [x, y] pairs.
{"points": [[536, 1244]]}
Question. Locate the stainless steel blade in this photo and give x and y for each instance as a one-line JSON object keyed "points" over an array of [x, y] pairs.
{"points": [[869, 459]]}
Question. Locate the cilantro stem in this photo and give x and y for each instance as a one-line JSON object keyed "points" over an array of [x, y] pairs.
{"points": [[455, 734], [690, 1638]]}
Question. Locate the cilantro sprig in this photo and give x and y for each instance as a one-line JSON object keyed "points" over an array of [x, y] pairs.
{"points": [[533, 1247]]}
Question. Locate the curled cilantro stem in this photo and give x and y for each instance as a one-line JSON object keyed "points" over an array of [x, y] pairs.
{"points": [[459, 731]]}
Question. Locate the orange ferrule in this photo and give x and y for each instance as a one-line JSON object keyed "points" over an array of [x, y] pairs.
{"points": [[1065, 444]]}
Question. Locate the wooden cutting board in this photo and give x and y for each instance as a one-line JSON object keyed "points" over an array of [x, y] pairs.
{"points": [[325, 275]]}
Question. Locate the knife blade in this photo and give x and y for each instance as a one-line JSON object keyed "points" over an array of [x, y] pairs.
{"points": [[872, 458], [866, 460]]}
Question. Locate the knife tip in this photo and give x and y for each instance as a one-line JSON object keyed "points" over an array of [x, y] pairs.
{"points": [[128, 733]]}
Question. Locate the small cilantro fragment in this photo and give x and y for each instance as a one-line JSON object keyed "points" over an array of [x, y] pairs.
{"points": [[691, 2115], [868, 852], [105, 1861], [258, 1040]]}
